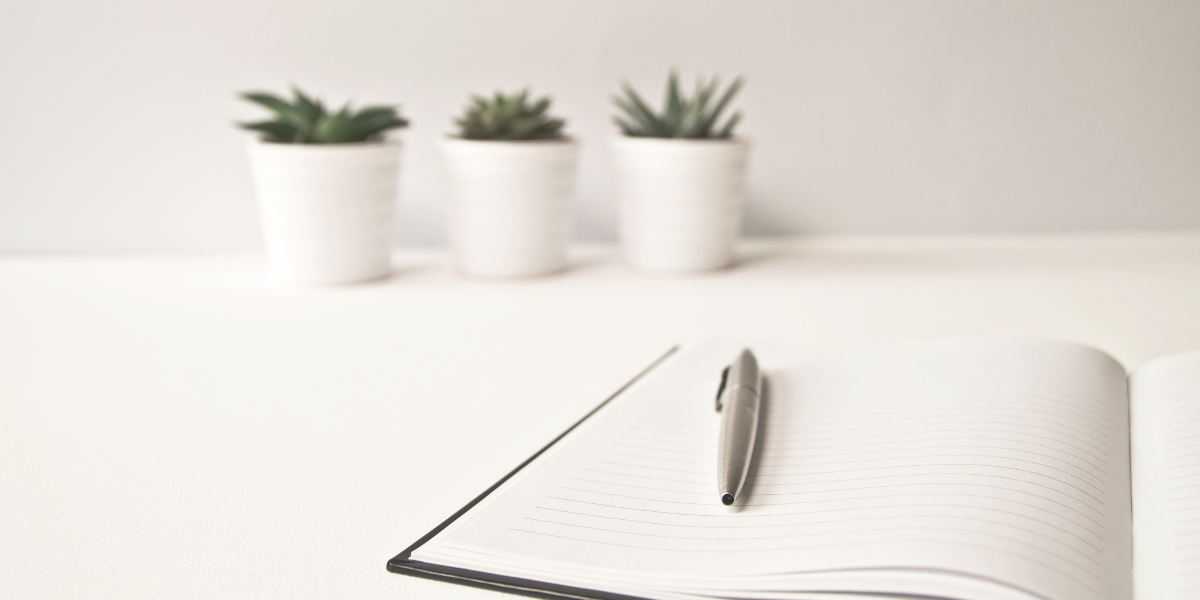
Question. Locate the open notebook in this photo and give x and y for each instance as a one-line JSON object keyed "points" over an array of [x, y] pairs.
{"points": [[950, 469]]}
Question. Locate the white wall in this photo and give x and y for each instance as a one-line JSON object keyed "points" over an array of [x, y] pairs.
{"points": [[865, 116]]}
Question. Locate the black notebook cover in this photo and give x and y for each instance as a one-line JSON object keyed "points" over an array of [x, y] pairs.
{"points": [[403, 564]]}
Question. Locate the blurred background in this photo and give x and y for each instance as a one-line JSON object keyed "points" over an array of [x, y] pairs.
{"points": [[865, 116]]}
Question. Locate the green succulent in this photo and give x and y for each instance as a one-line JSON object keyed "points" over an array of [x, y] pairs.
{"points": [[305, 120], [508, 117], [682, 117]]}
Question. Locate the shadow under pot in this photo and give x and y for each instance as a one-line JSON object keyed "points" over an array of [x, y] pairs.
{"points": [[509, 204], [679, 201], [327, 210]]}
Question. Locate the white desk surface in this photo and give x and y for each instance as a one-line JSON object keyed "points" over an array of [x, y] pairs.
{"points": [[179, 427]]}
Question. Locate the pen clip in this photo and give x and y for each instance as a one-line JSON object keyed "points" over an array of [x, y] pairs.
{"points": [[721, 389]]}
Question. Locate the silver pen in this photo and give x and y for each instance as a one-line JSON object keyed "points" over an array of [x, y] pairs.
{"points": [[738, 403]]}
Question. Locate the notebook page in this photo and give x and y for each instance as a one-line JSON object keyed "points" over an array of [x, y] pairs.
{"points": [[1165, 435], [966, 469]]}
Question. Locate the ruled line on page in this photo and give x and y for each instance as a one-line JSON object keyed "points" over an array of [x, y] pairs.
{"points": [[980, 438], [1091, 529], [928, 464], [1043, 400], [885, 443], [891, 458], [964, 416], [902, 542], [897, 454], [810, 440], [777, 524], [1096, 524], [906, 408], [1072, 421], [941, 425], [1085, 528], [810, 482], [877, 468], [1042, 522], [791, 536]]}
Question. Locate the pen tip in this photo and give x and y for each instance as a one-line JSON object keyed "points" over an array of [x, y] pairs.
{"points": [[727, 499]]}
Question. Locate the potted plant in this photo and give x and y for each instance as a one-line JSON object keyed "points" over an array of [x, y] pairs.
{"points": [[326, 185], [510, 177], [680, 179]]}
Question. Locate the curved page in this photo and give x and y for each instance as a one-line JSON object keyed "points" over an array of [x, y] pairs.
{"points": [[958, 469], [1165, 427]]}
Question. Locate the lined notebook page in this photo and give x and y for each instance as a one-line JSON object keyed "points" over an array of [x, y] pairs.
{"points": [[962, 469], [1165, 430]]}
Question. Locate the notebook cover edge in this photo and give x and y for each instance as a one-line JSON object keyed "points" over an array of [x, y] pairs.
{"points": [[402, 564]]}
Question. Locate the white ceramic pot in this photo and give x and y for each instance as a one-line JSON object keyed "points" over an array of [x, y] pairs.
{"points": [[327, 209], [679, 202], [509, 204]]}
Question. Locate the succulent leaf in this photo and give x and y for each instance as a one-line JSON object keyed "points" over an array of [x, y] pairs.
{"points": [[642, 114], [273, 131], [305, 120], [626, 128], [674, 101], [311, 108], [508, 117], [727, 131], [285, 113], [722, 103], [682, 117]]}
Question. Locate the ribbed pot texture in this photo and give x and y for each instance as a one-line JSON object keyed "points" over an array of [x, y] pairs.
{"points": [[509, 205], [679, 202], [327, 210]]}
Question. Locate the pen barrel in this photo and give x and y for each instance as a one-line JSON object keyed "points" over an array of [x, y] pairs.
{"points": [[739, 428]]}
